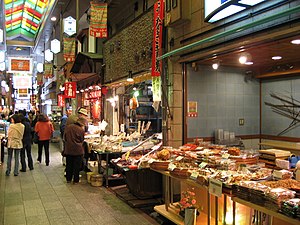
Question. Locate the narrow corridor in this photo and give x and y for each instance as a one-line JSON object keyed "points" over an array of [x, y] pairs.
{"points": [[42, 196]]}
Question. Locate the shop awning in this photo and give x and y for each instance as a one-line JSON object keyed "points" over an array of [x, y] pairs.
{"points": [[86, 69], [87, 63]]}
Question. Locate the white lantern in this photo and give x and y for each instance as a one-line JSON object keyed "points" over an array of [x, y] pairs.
{"points": [[40, 67], [2, 66], [55, 46], [48, 55], [70, 26], [1, 36], [2, 56]]}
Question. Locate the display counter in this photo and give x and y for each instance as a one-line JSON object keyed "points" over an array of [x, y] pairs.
{"points": [[226, 209]]}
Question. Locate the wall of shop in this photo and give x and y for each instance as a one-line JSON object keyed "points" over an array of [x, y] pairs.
{"points": [[223, 97], [130, 50], [274, 123]]}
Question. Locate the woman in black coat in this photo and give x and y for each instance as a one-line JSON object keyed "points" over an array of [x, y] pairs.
{"points": [[26, 145]]}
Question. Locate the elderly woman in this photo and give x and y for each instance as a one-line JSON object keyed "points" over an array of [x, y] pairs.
{"points": [[14, 145], [44, 129]]}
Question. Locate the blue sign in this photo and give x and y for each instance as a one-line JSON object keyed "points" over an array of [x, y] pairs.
{"points": [[223, 1]]}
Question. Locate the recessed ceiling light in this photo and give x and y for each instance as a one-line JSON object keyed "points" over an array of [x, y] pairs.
{"points": [[53, 18], [248, 63], [296, 42], [276, 57], [243, 59]]}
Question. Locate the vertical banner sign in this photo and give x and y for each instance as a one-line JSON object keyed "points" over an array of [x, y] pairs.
{"points": [[48, 70], [69, 49], [61, 100], [70, 89], [39, 79], [98, 22], [157, 37], [156, 88]]}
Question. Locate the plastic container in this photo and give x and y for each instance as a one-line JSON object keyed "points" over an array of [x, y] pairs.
{"points": [[96, 180], [88, 176]]}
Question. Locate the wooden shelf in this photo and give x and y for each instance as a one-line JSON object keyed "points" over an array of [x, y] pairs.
{"points": [[171, 214], [267, 211], [280, 145]]}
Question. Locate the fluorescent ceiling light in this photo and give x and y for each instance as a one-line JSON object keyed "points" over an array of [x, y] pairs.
{"points": [[230, 10], [250, 2], [276, 57], [248, 63], [296, 42]]}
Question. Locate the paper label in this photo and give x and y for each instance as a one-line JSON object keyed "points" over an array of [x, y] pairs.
{"points": [[179, 158], [277, 174], [151, 161], [215, 187], [203, 165], [194, 175], [171, 166]]}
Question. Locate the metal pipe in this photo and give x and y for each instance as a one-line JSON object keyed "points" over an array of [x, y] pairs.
{"points": [[232, 31]]}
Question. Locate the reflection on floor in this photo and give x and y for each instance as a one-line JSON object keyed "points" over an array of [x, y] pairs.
{"points": [[42, 196]]}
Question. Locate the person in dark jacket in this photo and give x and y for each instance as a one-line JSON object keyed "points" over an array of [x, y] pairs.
{"points": [[26, 150], [74, 151]]}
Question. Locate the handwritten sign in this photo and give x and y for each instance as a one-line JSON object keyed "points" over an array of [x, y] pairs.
{"points": [[215, 187]]}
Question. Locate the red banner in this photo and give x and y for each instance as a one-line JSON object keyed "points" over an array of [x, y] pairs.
{"points": [[157, 37], [70, 90], [98, 22], [61, 100]]}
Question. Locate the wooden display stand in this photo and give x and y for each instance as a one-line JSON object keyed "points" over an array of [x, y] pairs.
{"points": [[219, 210]]}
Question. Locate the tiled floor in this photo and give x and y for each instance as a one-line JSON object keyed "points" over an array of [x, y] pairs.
{"points": [[42, 196]]}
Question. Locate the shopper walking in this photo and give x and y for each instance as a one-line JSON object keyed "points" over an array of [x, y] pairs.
{"points": [[74, 137], [26, 150], [44, 129], [14, 145]]}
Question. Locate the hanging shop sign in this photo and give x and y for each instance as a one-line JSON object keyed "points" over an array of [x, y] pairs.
{"points": [[70, 26], [92, 94], [156, 89], [61, 100], [70, 90], [219, 9], [98, 22], [48, 70], [20, 82], [19, 65], [157, 38], [39, 79], [192, 109], [33, 99], [69, 49]]}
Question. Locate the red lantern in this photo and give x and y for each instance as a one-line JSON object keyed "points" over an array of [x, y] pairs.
{"points": [[104, 90]]}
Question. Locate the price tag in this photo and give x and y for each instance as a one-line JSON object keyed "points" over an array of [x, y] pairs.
{"points": [[171, 166], [215, 187], [194, 175], [277, 175], [117, 160], [225, 156], [151, 161], [127, 155], [203, 165], [179, 158]]}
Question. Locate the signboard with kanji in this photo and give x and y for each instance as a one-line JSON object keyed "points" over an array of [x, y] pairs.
{"points": [[70, 90], [60, 100]]}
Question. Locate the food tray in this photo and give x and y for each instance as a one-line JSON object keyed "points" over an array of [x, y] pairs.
{"points": [[180, 173], [159, 165]]}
